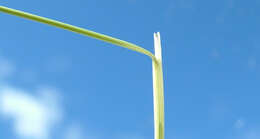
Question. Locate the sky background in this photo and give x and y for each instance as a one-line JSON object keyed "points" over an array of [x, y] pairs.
{"points": [[58, 84]]}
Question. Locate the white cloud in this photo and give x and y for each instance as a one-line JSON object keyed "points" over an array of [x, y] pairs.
{"points": [[32, 116]]}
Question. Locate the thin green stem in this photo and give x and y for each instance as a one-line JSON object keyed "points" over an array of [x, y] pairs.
{"points": [[78, 30], [158, 90]]}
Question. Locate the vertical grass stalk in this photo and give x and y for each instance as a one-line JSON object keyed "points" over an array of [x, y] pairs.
{"points": [[158, 95]]}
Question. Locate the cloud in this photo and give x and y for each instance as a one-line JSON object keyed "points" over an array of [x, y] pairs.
{"points": [[37, 114], [33, 117]]}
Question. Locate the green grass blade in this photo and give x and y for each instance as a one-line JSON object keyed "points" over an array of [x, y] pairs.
{"points": [[77, 30]]}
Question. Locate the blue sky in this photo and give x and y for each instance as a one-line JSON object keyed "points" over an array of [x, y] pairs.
{"points": [[58, 84]]}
